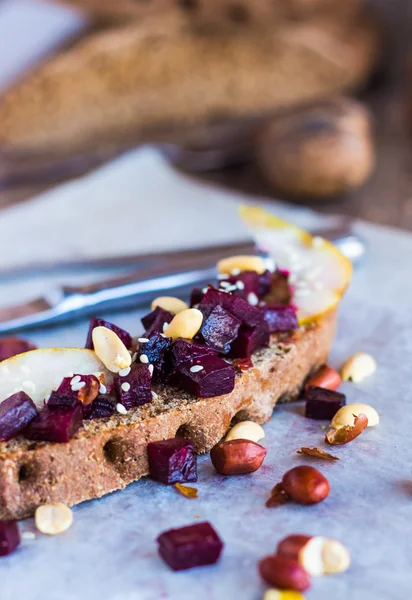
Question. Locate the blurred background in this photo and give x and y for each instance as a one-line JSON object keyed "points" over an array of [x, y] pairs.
{"points": [[309, 101]]}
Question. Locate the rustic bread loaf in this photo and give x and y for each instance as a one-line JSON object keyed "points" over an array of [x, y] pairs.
{"points": [[133, 82], [108, 454]]}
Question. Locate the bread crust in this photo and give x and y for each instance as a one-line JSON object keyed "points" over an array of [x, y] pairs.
{"points": [[107, 455]]}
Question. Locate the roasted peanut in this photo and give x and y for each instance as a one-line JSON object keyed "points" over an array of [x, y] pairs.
{"points": [[317, 555], [306, 485], [52, 519], [110, 349], [346, 415], [246, 430], [325, 377], [358, 367], [241, 263], [170, 303], [237, 457], [185, 324], [284, 573]]}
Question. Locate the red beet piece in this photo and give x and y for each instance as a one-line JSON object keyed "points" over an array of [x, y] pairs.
{"points": [[96, 322], [217, 377], [55, 425], [59, 401], [155, 321], [86, 394], [9, 537], [156, 350], [137, 384], [102, 407], [239, 308], [280, 318], [322, 404], [191, 546], [220, 329], [16, 412], [196, 296], [250, 283], [184, 351], [249, 340], [12, 346], [172, 461]]}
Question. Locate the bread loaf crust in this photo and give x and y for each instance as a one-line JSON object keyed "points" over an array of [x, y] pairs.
{"points": [[107, 455]]}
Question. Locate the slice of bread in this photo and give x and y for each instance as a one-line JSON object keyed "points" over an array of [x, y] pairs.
{"points": [[108, 454]]}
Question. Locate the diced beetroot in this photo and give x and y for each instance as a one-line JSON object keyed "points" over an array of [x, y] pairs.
{"points": [[191, 546], [96, 322], [220, 329], [242, 310], [322, 404], [156, 350], [134, 389], [172, 461], [184, 351], [280, 292], [9, 537], [280, 318], [58, 401], [155, 321], [16, 412], [55, 425], [87, 392], [215, 377], [249, 340], [196, 296], [265, 283], [101, 408], [12, 346]]}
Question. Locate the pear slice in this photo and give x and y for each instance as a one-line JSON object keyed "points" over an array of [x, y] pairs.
{"points": [[319, 273], [39, 372]]}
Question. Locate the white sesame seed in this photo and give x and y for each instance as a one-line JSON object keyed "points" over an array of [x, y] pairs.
{"points": [[225, 284], [124, 372], [165, 326], [78, 386], [121, 409], [151, 369], [235, 272], [125, 386], [144, 359], [28, 535], [134, 357], [25, 369], [232, 288], [154, 396], [75, 380], [196, 368], [163, 335], [252, 299], [240, 285], [103, 389], [143, 340]]}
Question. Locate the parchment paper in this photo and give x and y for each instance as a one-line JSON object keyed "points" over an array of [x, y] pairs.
{"points": [[110, 551]]}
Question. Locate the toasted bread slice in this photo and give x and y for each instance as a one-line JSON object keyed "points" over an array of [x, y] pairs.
{"points": [[108, 454]]}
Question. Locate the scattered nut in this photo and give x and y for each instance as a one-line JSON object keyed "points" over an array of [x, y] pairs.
{"points": [[186, 324], [346, 415], [284, 573], [246, 430], [52, 519], [325, 377], [346, 434], [237, 457], [273, 594], [306, 485], [358, 367], [110, 349], [241, 263], [317, 555], [170, 303]]}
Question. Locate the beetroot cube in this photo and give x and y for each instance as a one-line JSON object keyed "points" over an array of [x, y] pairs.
{"points": [[184, 351], [59, 401], [87, 392], [220, 329], [238, 307], [191, 546], [249, 340], [156, 350], [16, 412], [134, 389], [280, 318], [12, 346], [9, 537], [155, 321], [96, 322], [172, 461], [322, 404], [196, 296], [102, 407], [206, 377], [56, 425]]}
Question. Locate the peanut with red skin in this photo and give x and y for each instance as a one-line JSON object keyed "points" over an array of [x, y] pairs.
{"points": [[325, 377], [284, 573], [237, 457], [306, 485]]}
